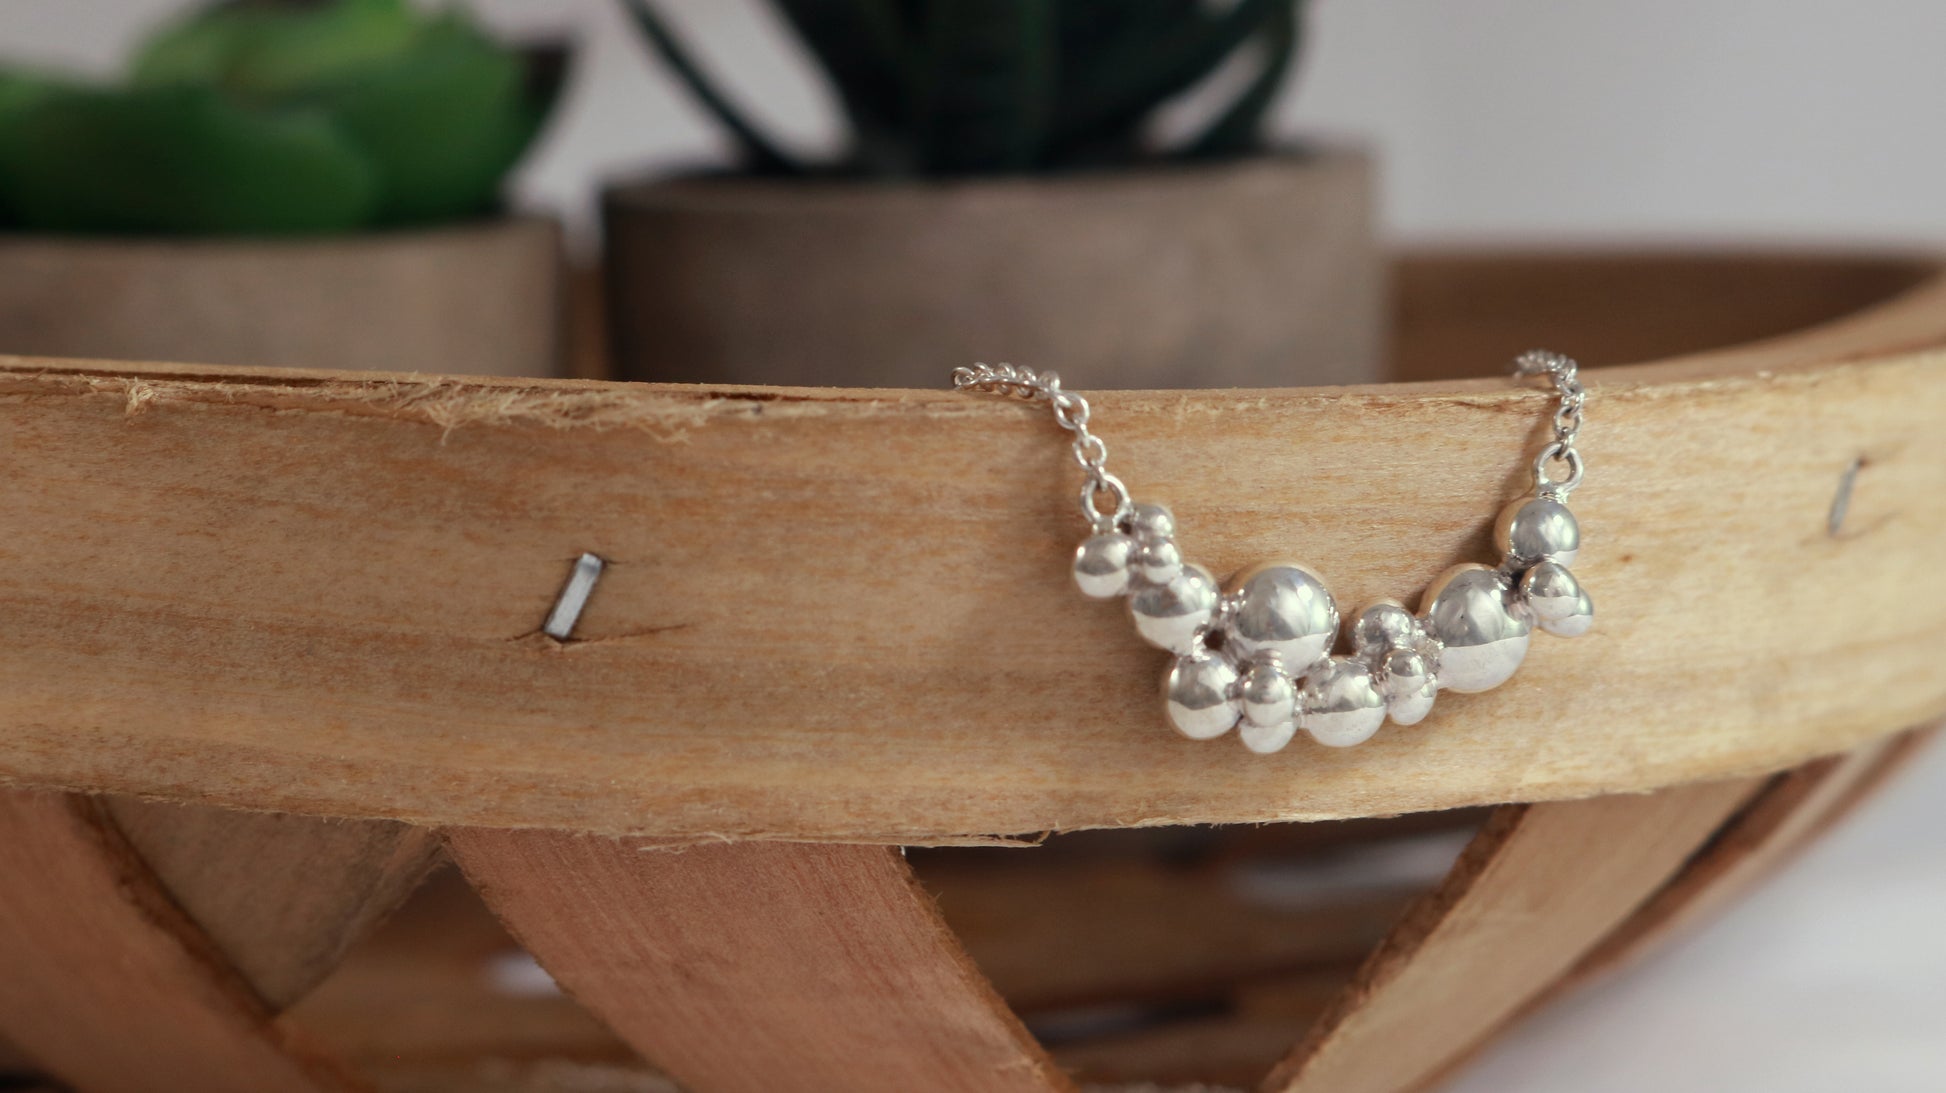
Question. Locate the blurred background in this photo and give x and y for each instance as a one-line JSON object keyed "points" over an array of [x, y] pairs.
{"points": [[1782, 119], [1516, 121]]}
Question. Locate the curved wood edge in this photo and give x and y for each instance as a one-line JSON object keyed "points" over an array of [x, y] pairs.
{"points": [[282, 897], [411, 684], [755, 967], [1789, 815], [108, 986], [1535, 890]]}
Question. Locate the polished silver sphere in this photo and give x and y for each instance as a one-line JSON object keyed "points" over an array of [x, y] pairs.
{"points": [[1384, 625], [1101, 565], [1470, 612], [1538, 528], [1285, 610], [1576, 622], [1550, 591], [1172, 615], [1408, 686], [1269, 695], [1199, 694], [1159, 561], [1151, 522], [1342, 705], [1265, 739]]}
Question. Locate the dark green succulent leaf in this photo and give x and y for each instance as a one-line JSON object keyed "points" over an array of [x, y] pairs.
{"points": [[1158, 58], [273, 50], [441, 123], [180, 160], [1239, 129], [759, 152], [986, 100], [875, 61]]}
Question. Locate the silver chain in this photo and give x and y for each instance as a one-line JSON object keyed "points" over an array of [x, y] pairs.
{"points": [[1071, 412], [1567, 420]]}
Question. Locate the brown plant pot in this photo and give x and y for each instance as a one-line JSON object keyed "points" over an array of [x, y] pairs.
{"points": [[481, 298], [1264, 272]]}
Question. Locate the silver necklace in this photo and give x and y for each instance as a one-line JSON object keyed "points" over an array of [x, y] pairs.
{"points": [[1260, 655]]}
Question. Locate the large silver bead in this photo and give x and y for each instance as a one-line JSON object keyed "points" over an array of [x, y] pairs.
{"points": [[1269, 696], [1159, 561], [1171, 615], [1265, 739], [1576, 622], [1151, 523], [1470, 611], [1199, 694], [1408, 686], [1342, 705], [1101, 565], [1285, 610], [1538, 528], [1550, 591], [1384, 625]]}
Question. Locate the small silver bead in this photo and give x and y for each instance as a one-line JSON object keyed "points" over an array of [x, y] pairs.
{"points": [[1159, 561], [1342, 704], [1150, 523], [1101, 565], [1408, 685], [1199, 694], [1269, 696], [1265, 739], [1550, 590], [1285, 610], [1385, 625], [1575, 623], [1172, 616], [1470, 611], [1538, 528]]}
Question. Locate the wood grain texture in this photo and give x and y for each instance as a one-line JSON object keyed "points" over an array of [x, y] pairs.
{"points": [[845, 614], [108, 986], [282, 897], [1781, 822], [757, 967], [1540, 886]]}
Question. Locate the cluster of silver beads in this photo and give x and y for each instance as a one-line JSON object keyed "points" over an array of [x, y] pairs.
{"points": [[1259, 657]]}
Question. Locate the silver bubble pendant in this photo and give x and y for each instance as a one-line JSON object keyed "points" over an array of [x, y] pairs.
{"points": [[1101, 565], [1283, 610], [1342, 705], [1470, 612], [1173, 615], [1199, 694]]}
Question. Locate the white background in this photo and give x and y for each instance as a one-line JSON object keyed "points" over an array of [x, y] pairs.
{"points": [[1770, 119]]}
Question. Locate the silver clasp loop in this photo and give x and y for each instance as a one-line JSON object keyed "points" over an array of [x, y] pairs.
{"points": [[1558, 488]]}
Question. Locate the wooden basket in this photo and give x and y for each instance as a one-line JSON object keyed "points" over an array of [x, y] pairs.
{"points": [[277, 651]]}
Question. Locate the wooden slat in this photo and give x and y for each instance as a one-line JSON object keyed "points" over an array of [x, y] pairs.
{"points": [[107, 985], [815, 592], [1539, 887], [1779, 823], [759, 967], [280, 896]]}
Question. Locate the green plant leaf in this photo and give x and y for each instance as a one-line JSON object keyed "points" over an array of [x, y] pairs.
{"points": [[20, 90], [986, 102], [441, 123], [180, 160], [760, 153], [1238, 130], [1158, 59], [875, 63], [267, 51]]}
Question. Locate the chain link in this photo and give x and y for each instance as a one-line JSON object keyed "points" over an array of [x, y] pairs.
{"points": [[1565, 375], [1071, 413], [1091, 454]]}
